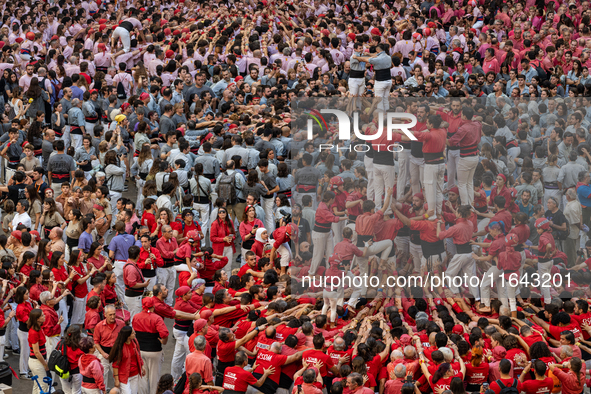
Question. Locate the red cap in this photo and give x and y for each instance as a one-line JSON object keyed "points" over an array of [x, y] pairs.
{"points": [[352, 36], [35, 234], [102, 47], [163, 22], [325, 32], [199, 324], [142, 9], [511, 239], [93, 91], [336, 181], [167, 31], [375, 32], [17, 234], [181, 291], [513, 192], [431, 25], [124, 106], [419, 195], [543, 223], [458, 329], [454, 190], [101, 27], [334, 260], [232, 126], [19, 40], [169, 53], [417, 36], [102, 21], [177, 12], [193, 236], [238, 78], [99, 207], [427, 31], [144, 96], [147, 303], [30, 36], [176, 33], [186, 30]]}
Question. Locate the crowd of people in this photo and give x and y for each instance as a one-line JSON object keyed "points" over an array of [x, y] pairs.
{"points": [[165, 160]]}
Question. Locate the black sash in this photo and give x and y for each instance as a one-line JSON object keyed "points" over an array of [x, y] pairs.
{"points": [[361, 239], [356, 74], [432, 248], [464, 248], [383, 75], [149, 341], [433, 158]]}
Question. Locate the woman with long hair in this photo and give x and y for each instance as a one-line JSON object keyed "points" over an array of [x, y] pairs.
{"points": [[35, 205], [248, 229], [115, 170], [101, 221], [50, 217], [38, 353], [61, 275], [36, 97], [573, 381], [164, 217], [74, 229], [254, 186], [165, 384], [222, 235], [23, 310], [95, 257], [44, 253], [72, 338], [26, 265], [16, 103], [195, 385], [201, 190], [79, 288], [3, 250], [220, 279], [128, 366], [150, 190], [91, 369], [109, 290], [8, 215], [476, 370], [142, 164]]}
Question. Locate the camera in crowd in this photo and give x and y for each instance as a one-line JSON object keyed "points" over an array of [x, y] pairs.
{"points": [[286, 216]]}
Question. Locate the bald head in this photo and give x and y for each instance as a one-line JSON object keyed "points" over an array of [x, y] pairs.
{"points": [[276, 347], [230, 164]]}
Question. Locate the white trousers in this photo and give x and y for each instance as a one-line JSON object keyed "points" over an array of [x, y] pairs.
{"points": [[77, 140], [337, 230], [382, 247], [23, 338], [382, 93], [119, 284], [167, 277], [123, 34], [356, 86], [268, 204], [544, 271], [153, 364], [134, 306], [203, 212], [433, 182], [79, 310], [403, 173], [229, 253], [285, 251], [107, 367], [453, 158], [383, 180], [416, 168], [64, 308], [466, 169], [491, 278], [402, 243], [323, 247], [463, 263], [38, 370], [181, 349], [416, 253], [72, 385], [132, 385], [368, 163]]}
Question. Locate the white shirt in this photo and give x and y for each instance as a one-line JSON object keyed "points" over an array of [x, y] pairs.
{"points": [[22, 218]]}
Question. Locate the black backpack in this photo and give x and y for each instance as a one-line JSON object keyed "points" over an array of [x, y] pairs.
{"points": [[121, 95], [58, 361], [542, 74], [508, 390]]}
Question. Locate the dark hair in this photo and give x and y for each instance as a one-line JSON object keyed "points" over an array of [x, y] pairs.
{"points": [[117, 349]]}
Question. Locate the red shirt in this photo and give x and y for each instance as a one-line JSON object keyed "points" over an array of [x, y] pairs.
{"points": [[163, 309], [502, 216], [226, 351], [443, 383], [218, 231], [37, 337], [357, 209], [91, 319], [130, 363], [312, 356], [468, 135], [149, 322], [93, 293], [507, 382], [73, 356], [538, 386], [427, 228], [148, 219], [267, 359], [105, 334], [580, 319], [23, 310], [144, 255], [210, 267], [477, 375], [346, 250], [50, 327], [461, 232], [546, 242], [132, 275], [433, 140], [80, 290], [237, 379], [280, 236]]}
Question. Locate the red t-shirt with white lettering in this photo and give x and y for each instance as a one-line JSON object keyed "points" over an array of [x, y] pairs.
{"points": [[237, 379], [543, 386], [267, 359], [313, 356]]}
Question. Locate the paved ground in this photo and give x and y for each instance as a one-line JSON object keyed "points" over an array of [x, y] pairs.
{"points": [[25, 386]]}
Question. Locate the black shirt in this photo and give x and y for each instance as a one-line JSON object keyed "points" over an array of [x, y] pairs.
{"points": [[558, 219]]}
